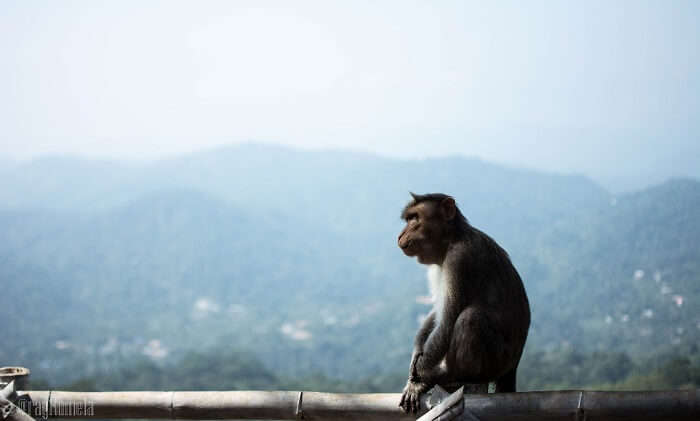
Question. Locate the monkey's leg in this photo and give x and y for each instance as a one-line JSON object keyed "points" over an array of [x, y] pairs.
{"points": [[478, 350], [468, 347]]}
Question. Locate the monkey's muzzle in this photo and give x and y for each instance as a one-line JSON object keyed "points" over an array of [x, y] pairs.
{"points": [[407, 246]]}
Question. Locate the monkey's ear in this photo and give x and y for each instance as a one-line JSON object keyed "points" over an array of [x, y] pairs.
{"points": [[448, 208]]}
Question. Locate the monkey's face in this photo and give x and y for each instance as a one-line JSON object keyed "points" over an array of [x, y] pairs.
{"points": [[423, 235]]}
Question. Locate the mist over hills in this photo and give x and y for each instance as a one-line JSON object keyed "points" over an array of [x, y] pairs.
{"points": [[291, 255]]}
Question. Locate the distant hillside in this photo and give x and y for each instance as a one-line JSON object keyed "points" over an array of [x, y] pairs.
{"points": [[626, 276], [292, 256]]}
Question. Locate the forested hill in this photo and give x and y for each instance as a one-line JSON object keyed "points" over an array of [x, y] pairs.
{"points": [[291, 255]]}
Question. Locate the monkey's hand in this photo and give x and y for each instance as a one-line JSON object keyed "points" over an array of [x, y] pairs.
{"points": [[410, 400]]}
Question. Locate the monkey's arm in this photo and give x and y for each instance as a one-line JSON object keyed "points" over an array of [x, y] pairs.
{"points": [[422, 336], [420, 379], [424, 331], [455, 297], [427, 369]]}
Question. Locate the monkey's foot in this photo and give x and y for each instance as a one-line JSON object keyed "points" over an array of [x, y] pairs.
{"points": [[468, 387], [410, 400]]}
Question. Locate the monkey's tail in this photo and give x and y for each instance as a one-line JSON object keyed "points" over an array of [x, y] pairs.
{"points": [[506, 383]]}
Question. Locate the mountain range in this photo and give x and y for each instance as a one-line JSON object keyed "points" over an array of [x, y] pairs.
{"points": [[291, 255]]}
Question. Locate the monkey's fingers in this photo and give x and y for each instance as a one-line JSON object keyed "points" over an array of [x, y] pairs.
{"points": [[415, 402], [404, 404]]}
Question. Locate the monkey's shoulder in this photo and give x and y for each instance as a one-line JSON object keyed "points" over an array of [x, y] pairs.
{"points": [[477, 252]]}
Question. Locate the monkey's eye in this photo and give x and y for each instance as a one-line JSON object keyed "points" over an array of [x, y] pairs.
{"points": [[412, 218]]}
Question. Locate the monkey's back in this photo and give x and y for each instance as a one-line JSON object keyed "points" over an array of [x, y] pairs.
{"points": [[493, 286]]}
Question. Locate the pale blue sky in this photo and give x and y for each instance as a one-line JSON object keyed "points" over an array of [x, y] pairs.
{"points": [[607, 88]]}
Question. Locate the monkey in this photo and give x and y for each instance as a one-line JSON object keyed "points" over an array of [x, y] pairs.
{"points": [[477, 329]]}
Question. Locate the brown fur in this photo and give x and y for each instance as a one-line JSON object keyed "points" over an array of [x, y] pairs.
{"points": [[486, 314]]}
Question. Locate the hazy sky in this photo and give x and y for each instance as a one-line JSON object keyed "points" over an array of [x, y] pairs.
{"points": [[609, 88]]}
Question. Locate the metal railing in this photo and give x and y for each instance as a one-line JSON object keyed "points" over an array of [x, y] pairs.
{"points": [[575, 405]]}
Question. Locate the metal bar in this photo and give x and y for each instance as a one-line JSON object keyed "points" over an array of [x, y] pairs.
{"points": [[10, 412], [8, 391], [454, 400], [564, 405], [560, 405]]}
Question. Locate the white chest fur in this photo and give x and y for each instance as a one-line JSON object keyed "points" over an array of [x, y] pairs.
{"points": [[436, 286]]}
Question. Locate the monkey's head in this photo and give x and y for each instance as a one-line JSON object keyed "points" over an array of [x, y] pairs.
{"points": [[432, 221]]}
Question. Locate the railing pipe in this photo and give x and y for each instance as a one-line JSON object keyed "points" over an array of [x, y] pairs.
{"points": [[559, 405]]}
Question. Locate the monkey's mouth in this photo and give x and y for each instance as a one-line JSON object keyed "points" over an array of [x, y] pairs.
{"points": [[409, 248]]}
